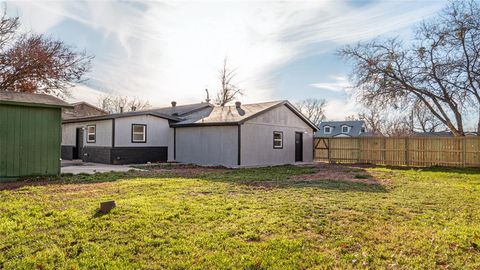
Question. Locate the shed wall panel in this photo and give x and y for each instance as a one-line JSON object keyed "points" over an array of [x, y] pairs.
{"points": [[213, 145], [29, 141]]}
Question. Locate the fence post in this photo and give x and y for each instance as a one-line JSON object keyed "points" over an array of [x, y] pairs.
{"points": [[464, 151], [407, 151]]}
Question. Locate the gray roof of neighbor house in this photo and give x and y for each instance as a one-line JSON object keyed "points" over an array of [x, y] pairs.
{"points": [[233, 115], [170, 113], [433, 134], [30, 99], [82, 109], [336, 128]]}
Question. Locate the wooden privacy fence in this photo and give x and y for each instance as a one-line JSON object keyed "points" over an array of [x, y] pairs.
{"points": [[401, 151]]}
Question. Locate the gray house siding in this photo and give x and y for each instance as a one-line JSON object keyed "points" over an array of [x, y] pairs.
{"points": [[207, 145], [119, 149], [257, 138]]}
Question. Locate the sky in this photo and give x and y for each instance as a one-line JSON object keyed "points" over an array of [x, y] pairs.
{"points": [[165, 51]]}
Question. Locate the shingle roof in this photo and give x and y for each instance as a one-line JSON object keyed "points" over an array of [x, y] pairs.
{"points": [[336, 126], [30, 99], [170, 113], [231, 115]]}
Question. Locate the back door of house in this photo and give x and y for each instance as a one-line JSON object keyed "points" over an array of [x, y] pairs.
{"points": [[298, 146], [77, 151]]}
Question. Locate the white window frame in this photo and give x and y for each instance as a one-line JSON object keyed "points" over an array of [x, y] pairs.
{"points": [[278, 140], [329, 129], [94, 133], [144, 133], [348, 129]]}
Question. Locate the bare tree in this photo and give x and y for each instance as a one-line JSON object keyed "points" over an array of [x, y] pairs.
{"points": [[397, 126], [36, 63], [374, 120], [313, 109], [423, 120], [228, 91], [440, 69], [118, 104]]}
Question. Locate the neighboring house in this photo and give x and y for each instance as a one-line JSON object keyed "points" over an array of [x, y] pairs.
{"points": [[82, 109], [270, 133], [342, 129], [30, 134]]}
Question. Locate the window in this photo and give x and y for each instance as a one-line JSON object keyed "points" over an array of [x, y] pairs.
{"points": [[345, 129], [327, 129], [139, 133], [277, 140], [363, 130], [91, 134]]}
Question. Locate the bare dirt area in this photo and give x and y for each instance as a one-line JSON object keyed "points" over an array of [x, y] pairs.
{"points": [[184, 169], [341, 172]]}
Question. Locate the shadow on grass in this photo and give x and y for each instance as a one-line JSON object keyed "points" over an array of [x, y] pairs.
{"points": [[465, 170], [284, 177]]}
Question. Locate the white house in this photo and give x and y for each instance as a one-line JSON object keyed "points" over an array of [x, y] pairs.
{"points": [[261, 134]]}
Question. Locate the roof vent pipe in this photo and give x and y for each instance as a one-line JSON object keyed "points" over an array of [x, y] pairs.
{"points": [[121, 109], [238, 104], [134, 108], [174, 103]]}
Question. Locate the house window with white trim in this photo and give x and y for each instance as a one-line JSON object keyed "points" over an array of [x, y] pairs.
{"points": [[345, 129], [277, 140], [327, 130], [139, 133], [91, 134]]}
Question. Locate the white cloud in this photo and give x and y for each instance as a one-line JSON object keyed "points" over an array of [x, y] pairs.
{"points": [[340, 84], [84, 93], [338, 109]]}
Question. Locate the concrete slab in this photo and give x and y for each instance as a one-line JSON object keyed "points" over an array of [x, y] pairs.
{"points": [[76, 167]]}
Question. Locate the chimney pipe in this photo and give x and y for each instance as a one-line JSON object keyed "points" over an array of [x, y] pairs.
{"points": [[238, 104], [174, 103], [121, 109], [134, 108]]}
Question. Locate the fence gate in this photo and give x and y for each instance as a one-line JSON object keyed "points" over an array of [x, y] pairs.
{"points": [[322, 151]]}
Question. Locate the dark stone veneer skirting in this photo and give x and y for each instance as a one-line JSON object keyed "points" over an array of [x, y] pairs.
{"points": [[67, 152], [124, 155]]}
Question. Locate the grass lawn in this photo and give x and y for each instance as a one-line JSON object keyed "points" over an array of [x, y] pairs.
{"points": [[271, 218]]}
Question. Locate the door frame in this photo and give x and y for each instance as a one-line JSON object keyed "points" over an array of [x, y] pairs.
{"points": [[299, 145]]}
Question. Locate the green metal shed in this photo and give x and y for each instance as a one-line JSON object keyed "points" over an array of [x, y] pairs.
{"points": [[30, 134]]}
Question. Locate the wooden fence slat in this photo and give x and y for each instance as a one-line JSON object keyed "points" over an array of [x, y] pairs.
{"points": [[401, 151]]}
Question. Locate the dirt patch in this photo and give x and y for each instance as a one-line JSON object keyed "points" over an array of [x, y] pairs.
{"points": [[336, 172], [186, 170], [58, 186], [20, 184]]}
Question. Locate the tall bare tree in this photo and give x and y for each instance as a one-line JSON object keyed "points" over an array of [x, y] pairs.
{"points": [[440, 69], [36, 63], [117, 104], [229, 91], [313, 109]]}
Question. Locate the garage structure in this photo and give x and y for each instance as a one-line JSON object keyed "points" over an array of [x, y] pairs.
{"points": [[30, 134], [261, 134]]}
